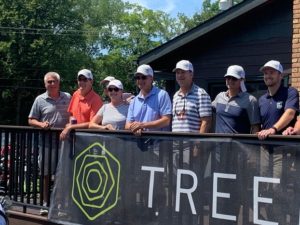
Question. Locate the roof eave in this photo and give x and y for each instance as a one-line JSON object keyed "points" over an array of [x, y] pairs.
{"points": [[202, 29]]}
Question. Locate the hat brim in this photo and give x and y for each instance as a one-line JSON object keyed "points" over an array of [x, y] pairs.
{"points": [[264, 67], [233, 75]]}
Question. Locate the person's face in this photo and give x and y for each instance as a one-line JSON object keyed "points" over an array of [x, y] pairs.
{"points": [[272, 77], [84, 84], [233, 83], [114, 93], [144, 82], [52, 84], [184, 78]]}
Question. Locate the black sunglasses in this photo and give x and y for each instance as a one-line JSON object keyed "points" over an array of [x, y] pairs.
{"points": [[84, 79], [180, 113], [110, 89], [231, 78], [141, 77]]}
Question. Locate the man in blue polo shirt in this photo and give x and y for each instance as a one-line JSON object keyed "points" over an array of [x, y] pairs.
{"points": [[151, 109], [236, 110], [278, 110]]}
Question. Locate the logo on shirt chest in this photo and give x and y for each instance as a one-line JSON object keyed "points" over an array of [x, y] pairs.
{"points": [[279, 105]]}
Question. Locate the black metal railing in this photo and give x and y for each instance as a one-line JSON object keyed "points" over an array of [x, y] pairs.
{"points": [[22, 173]]}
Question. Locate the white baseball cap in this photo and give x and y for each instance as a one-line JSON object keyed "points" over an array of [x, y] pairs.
{"points": [[239, 73], [107, 79], [115, 83], [184, 65], [145, 70], [86, 73], [272, 64]]}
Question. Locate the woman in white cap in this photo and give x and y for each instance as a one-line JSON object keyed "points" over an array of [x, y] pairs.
{"points": [[236, 110], [112, 116]]}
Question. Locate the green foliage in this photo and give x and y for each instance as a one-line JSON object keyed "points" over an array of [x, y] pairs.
{"points": [[106, 36]]}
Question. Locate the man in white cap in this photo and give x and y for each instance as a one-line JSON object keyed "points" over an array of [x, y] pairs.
{"points": [[191, 104], [279, 106], [84, 104], [236, 110], [278, 110], [151, 109]]}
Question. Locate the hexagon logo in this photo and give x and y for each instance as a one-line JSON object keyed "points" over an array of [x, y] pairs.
{"points": [[96, 179]]}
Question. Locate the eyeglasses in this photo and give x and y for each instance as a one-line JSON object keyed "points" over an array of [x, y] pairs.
{"points": [[51, 81], [84, 79], [113, 89], [180, 113], [231, 78], [141, 77]]}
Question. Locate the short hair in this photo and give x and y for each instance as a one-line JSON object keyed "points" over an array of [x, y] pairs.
{"points": [[52, 74]]}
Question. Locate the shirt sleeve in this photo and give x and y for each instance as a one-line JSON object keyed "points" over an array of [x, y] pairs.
{"points": [[35, 110], [95, 106], [101, 110], [253, 111], [165, 105], [205, 108], [130, 116], [292, 101]]}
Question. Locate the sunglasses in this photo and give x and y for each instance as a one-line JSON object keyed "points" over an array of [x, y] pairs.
{"points": [[231, 78], [180, 113], [110, 89], [141, 77], [51, 81], [84, 79]]}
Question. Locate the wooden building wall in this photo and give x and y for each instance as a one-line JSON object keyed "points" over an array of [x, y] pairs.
{"points": [[252, 39]]}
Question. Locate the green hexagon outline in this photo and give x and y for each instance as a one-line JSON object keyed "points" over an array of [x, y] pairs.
{"points": [[83, 187], [110, 190], [78, 182], [117, 186], [93, 191]]}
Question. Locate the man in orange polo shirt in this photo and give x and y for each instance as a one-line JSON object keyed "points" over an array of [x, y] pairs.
{"points": [[84, 104]]}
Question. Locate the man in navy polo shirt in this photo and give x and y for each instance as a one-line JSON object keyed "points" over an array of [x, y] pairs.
{"points": [[279, 106], [278, 110], [236, 110]]}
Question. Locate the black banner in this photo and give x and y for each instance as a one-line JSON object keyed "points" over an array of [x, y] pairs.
{"points": [[123, 179]]}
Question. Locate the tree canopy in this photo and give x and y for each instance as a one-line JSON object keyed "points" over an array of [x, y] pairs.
{"points": [[106, 36]]}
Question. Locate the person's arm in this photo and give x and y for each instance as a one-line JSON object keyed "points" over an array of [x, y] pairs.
{"points": [[64, 134], [137, 127], [35, 123], [95, 123], [205, 124], [283, 121], [293, 130]]}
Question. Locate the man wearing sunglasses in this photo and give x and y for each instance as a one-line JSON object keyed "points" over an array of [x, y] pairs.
{"points": [[151, 108], [49, 109], [191, 104], [84, 104], [236, 110]]}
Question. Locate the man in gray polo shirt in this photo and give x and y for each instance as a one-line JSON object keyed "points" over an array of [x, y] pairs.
{"points": [[236, 110], [49, 110]]}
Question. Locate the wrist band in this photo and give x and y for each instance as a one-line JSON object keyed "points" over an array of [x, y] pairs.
{"points": [[275, 129]]}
